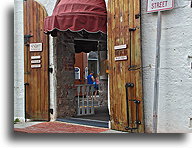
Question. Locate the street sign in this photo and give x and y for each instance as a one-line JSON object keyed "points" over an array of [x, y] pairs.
{"points": [[159, 5]]}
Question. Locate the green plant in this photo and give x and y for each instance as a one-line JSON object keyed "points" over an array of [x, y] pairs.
{"points": [[16, 120]]}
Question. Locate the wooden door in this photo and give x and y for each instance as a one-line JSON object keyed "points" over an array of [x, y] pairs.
{"points": [[36, 62], [125, 73]]}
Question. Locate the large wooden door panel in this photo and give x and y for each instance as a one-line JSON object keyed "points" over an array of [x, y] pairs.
{"points": [[126, 98], [36, 62]]}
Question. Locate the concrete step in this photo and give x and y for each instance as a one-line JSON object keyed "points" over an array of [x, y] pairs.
{"points": [[89, 122]]}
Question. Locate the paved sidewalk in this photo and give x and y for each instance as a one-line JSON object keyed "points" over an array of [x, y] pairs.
{"points": [[58, 127]]}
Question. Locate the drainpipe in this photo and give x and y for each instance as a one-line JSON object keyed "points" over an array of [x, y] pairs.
{"points": [[156, 83]]}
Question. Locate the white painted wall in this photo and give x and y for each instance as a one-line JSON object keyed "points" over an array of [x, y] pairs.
{"points": [[18, 61], [175, 97], [175, 101]]}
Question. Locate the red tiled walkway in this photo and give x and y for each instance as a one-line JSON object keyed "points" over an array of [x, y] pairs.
{"points": [[59, 127]]}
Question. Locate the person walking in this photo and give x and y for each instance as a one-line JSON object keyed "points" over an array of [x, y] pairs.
{"points": [[90, 78]]}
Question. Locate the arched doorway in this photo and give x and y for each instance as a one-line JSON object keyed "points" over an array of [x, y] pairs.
{"points": [[80, 27], [124, 58]]}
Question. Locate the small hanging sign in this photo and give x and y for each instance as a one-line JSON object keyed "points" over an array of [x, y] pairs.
{"points": [[36, 66], [36, 47], [35, 57], [121, 58], [159, 5], [120, 47], [35, 61]]}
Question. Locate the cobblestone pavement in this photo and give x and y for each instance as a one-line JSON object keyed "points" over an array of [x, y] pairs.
{"points": [[58, 127]]}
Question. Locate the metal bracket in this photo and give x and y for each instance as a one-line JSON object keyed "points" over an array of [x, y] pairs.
{"points": [[134, 67], [135, 101], [129, 85], [137, 16], [132, 29], [51, 111], [137, 122], [26, 84], [25, 95], [50, 70], [26, 38]]}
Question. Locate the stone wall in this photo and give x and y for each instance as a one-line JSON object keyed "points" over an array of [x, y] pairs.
{"points": [[65, 57]]}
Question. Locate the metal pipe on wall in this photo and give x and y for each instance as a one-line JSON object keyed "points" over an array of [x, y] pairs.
{"points": [[156, 82]]}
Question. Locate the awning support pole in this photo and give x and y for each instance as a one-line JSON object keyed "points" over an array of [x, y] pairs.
{"points": [[156, 82]]}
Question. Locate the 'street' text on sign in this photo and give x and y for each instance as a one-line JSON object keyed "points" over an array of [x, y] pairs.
{"points": [[159, 5]]}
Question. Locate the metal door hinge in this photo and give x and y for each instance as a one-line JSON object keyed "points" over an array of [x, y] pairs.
{"points": [[26, 84], [51, 111], [132, 29], [135, 101], [27, 73], [129, 85], [137, 16], [26, 38], [51, 70]]}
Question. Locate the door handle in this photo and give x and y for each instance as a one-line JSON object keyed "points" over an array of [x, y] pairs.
{"points": [[137, 102]]}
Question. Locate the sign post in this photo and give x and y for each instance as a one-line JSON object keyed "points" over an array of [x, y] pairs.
{"points": [[157, 6]]}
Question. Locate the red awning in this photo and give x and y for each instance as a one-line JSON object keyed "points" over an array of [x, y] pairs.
{"points": [[77, 15]]}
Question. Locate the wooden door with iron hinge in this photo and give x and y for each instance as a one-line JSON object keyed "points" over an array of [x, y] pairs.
{"points": [[36, 53], [125, 72]]}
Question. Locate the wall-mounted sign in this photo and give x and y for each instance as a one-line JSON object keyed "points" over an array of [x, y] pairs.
{"points": [[36, 66], [120, 47], [36, 47], [159, 5], [121, 58], [35, 61], [35, 57]]}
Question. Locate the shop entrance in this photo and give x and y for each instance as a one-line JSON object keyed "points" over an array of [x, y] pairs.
{"points": [[77, 55], [92, 100], [122, 62]]}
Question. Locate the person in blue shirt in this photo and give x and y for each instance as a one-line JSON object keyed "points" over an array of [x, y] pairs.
{"points": [[90, 78]]}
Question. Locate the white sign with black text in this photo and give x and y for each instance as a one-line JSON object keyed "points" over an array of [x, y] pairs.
{"points": [[35, 61], [121, 58], [35, 57], [159, 5], [120, 47], [36, 47], [36, 66]]}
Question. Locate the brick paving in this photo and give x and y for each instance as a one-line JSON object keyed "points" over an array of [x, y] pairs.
{"points": [[59, 127]]}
